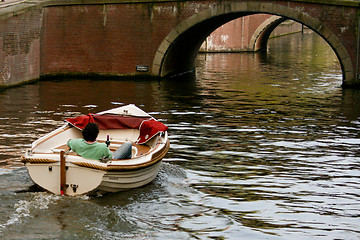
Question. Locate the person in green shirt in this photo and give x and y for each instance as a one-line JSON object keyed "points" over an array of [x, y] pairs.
{"points": [[88, 147]]}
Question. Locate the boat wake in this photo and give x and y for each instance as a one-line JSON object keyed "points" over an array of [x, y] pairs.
{"points": [[24, 208]]}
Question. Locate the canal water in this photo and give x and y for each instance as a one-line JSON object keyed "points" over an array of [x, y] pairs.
{"points": [[263, 146]]}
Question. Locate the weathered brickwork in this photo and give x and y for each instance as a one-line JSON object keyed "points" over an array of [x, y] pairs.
{"points": [[234, 36], [112, 38], [242, 34], [107, 39], [20, 48]]}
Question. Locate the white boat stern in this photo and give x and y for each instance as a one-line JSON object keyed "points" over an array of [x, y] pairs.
{"points": [[79, 180]]}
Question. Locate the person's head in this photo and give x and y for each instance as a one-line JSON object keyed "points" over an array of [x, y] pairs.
{"points": [[90, 132]]}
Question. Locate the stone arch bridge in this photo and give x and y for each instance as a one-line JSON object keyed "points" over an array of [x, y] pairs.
{"points": [[159, 37]]}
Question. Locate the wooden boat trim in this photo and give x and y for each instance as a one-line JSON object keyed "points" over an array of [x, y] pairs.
{"points": [[155, 158], [62, 173], [161, 154]]}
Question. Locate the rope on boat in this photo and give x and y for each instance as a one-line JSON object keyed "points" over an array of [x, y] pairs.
{"points": [[155, 158], [91, 165], [37, 160]]}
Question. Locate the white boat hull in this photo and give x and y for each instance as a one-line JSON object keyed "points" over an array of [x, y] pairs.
{"points": [[121, 181], [81, 180]]}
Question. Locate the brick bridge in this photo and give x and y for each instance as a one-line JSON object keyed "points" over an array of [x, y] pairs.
{"points": [[159, 37]]}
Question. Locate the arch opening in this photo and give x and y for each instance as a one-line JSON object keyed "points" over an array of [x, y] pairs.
{"points": [[248, 34], [178, 50], [179, 57]]}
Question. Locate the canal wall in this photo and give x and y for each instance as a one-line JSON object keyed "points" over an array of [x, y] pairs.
{"points": [[20, 40], [287, 27], [236, 35]]}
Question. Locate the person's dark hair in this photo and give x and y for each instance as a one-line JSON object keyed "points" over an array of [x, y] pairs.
{"points": [[90, 132]]}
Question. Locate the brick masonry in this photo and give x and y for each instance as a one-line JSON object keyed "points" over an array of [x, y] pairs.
{"points": [[107, 39], [20, 48], [234, 36], [112, 39], [237, 35]]}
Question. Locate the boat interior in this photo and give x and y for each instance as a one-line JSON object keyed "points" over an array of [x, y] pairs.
{"points": [[57, 140]]}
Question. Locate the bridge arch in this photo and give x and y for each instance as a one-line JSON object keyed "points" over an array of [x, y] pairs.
{"points": [[261, 35], [174, 55]]}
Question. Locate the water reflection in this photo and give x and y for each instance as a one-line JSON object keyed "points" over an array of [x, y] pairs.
{"points": [[263, 146]]}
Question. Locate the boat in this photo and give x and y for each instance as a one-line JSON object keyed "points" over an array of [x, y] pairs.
{"points": [[55, 168]]}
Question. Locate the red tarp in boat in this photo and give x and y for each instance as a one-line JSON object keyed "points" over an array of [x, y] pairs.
{"points": [[148, 127]]}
